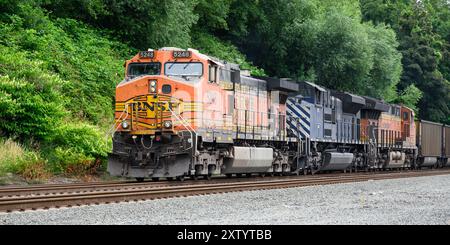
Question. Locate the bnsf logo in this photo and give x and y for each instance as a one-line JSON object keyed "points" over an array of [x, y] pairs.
{"points": [[153, 106], [150, 107]]}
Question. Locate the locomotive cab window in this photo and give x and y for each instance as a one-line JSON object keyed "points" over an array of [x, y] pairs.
{"points": [[212, 74], [319, 97], [141, 69], [186, 70], [225, 75], [405, 116]]}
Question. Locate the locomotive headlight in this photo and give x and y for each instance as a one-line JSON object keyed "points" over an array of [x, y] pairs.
{"points": [[168, 124], [125, 125], [152, 86]]}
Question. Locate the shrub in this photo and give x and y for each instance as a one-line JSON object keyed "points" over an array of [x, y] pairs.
{"points": [[68, 161], [27, 111], [82, 138], [77, 148]]}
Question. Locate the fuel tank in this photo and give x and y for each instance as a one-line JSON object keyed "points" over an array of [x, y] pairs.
{"points": [[337, 161], [248, 160]]}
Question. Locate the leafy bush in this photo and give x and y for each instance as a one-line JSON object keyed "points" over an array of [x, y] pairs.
{"points": [[77, 148], [82, 138], [31, 101], [26, 111], [69, 161]]}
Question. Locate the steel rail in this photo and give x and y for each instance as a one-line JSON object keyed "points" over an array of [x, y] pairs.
{"points": [[53, 189], [76, 199]]}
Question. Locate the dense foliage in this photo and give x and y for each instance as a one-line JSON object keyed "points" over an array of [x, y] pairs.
{"points": [[423, 31], [60, 60]]}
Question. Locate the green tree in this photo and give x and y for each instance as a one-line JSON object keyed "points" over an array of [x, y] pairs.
{"points": [[320, 41], [387, 66], [422, 29], [409, 97], [344, 57], [212, 15], [142, 23], [421, 47]]}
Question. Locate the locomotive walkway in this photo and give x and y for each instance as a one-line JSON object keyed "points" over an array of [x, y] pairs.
{"points": [[56, 196]]}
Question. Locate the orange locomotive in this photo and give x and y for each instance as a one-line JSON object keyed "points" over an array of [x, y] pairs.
{"points": [[396, 137], [389, 132], [181, 113]]}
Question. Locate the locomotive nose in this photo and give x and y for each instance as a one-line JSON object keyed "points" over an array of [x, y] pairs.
{"points": [[154, 110]]}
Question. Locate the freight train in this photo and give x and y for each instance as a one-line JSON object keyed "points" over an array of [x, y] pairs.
{"points": [[180, 113]]}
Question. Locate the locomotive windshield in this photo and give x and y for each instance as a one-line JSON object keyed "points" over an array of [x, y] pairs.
{"points": [[184, 69], [140, 69]]}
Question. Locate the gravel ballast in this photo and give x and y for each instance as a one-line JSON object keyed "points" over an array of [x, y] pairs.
{"points": [[421, 200]]}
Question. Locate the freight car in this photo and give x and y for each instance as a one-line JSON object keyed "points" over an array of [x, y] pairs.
{"points": [[446, 146], [180, 113], [432, 143]]}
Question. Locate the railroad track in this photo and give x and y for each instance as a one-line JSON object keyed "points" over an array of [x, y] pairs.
{"points": [[54, 189], [125, 192]]}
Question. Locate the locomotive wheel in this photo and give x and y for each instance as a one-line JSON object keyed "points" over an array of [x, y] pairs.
{"points": [[169, 178], [248, 175], [208, 177], [262, 175], [180, 178], [194, 177], [155, 179], [229, 175], [139, 179]]}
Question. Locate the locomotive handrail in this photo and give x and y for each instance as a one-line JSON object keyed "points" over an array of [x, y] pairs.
{"points": [[113, 129], [187, 126]]}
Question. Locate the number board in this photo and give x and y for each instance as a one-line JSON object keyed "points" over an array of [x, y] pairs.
{"points": [[181, 54], [146, 54]]}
